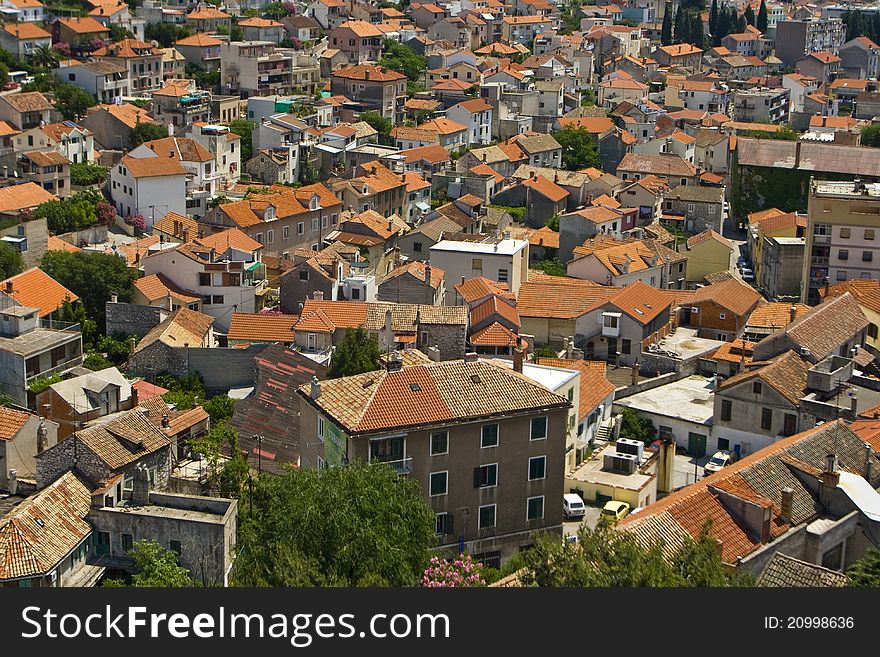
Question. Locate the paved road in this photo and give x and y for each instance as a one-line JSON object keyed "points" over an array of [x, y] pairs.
{"points": [[591, 519], [688, 470]]}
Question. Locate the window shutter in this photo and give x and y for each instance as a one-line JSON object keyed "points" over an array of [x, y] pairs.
{"points": [[478, 477], [448, 524]]}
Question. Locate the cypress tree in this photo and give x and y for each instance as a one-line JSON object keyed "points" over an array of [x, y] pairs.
{"points": [[713, 17], [680, 27], [740, 23], [697, 35], [666, 32], [761, 23], [749, 15]]}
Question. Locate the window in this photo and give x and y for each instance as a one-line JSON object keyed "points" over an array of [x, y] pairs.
{"points": [[722, 316], [127, 542], [757, 387], [841, 275], [417, 247], [502, 275], [844, 233], [486, 476], [300, 228], [439, 443], [304, 275], [204, 279], [285, 233], [867, 256], [314, 223], [487, 516], [489, 436], [626, 346], [174, 546], [320, 428], [539, 428], [445, 523], [691, 207], [711, 209], [537, 467], [535, 508], [477, 266], [865, 274], [218, 299], [843, 254], [869, 233], [726, 410], [832, 558], [259, 237], [766, 418], [723, 443], [270, 236], [789, 424], [439, 483], [872, 331]]}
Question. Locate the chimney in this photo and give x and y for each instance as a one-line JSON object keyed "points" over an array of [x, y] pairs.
{"points": [[765, 524], [428, 274], [463, 280], [140, 493], [185, 234], [12, 484], [316, 388], [792, 313], [853, 402], [114, 298], [42, 437], [318, 295], [569, 347], [666, 466], [869, 466], [471, 357], [390, 225], [518, 360], [787, 504], [166, 423], [131, 343], [395, 362], [635, 373], [830, 477], [9, 287]]}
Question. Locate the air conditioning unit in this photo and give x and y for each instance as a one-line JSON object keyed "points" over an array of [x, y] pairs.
{"points": [[630, 446], [695, 310], [622, 463]]}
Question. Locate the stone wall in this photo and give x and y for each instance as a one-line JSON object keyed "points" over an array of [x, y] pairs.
{"points": [[131, 319], [159, 358], [451, 339], [220, 368]]}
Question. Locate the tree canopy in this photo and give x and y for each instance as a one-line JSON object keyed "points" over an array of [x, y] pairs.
{"points": [[244, 129], [146, 131], [378, 122], [83, 209], [356, 354], [156, 568], [72, 101], [871, 135], [340, 526], [606, 557], [579, 151], [93, 277], [635, 427], [403, 59], [866, 571], [11, 262]]}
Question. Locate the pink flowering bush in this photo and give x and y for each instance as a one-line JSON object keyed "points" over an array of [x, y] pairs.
{"points": [[62, 48], [137, 221], [463, 571], [106, 213], [270, 311]]}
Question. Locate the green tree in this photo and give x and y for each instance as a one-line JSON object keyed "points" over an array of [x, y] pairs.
{"points": [[96, 361], [761, 21], [871, 135], [184, 392], [220, 408], [403, 59], [356, 354], [45, 56], [236, 470], [378, 122], [275, 11], [866, 571], [355, 524], [635, 427], [93, 277], [713, 17], [579, 151], [550, 266], [236, 33], [666, 29], [680, 26], [87, 173], [4, 73], [156, 568], [749, 15], [116, 347], [146, 131], [606, 557], [244, 129], [74, 213], [553, 223], [72, 101], [75, 313], [11, 262], [545, 351], [166, 33], [697, 36]]}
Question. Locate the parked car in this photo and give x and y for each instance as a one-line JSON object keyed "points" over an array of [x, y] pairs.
{"points": [[719, 460], [615, 511], [573, 506], [9, 86], [747, 274]]}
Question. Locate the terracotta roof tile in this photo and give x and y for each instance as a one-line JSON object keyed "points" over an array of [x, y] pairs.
{"points": [[159, 286], [11, 422], [368, 72], [732, 294], [494, 335], [417, 270], [153, 167], [559, 297], [787, 374], [36, 289], [182, 327], [57, 244], [123, 440], [495, 307], [260, 327], [474, 289], [546, 188], [232, 238], [775, 315]]}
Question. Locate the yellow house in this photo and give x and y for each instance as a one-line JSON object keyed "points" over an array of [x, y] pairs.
{"points": [[867, 293], [772, 223], [707, 253]]}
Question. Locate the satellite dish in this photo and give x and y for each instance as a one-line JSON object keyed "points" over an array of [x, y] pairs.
{"points": [[154, 43]]}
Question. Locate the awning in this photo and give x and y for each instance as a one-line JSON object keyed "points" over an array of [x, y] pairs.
{"points": [[424, 207]]}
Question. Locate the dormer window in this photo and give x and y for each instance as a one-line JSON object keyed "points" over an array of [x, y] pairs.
{"points": [[314, 202]]}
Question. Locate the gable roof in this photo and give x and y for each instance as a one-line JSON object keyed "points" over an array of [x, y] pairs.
{"points": [[417, 270], [262, 327], [430, 394], [41, 531], [664, 165], [546, 188], [775, 315], [641, 302], [123, 440], [732, 294], [557, 297], [158, 286], [786, 374], [594, 386], [474, 289], [182, 327], [699, 238], [866, 291], [233, 238], [785, 571], [34, 288], [11, 422], [153, 167]]}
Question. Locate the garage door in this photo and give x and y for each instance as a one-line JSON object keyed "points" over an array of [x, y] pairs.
{"points": [[696, 445]]}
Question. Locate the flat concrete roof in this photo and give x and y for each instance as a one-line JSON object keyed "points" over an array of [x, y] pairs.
{"points": [[591, 472], [37, 341], [685, 344], [549, 377], [690, 399], [503, 247]]}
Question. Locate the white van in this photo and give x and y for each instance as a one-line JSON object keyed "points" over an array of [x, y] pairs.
{"points": [[573, 506]]}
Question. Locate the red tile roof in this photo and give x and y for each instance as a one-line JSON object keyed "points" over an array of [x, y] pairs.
{"points": [[36, 289]]}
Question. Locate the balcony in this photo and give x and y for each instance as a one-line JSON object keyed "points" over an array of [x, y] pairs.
{"points": [[819, 260], [61, 367], [401, 466], [819, 238]]}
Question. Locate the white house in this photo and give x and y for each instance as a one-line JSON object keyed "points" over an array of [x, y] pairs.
{"points": [[149, 186], [477, 116], [504, 261], [23, 11], [225, 269], [225, 146]]}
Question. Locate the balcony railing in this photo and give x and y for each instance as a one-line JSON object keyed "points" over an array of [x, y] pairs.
{"points": [[58, 369], [401, 466], [819, 238]]}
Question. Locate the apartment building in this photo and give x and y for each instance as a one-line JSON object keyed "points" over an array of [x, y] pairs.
{"points": [[841, 234], [797, 38], [258, 68], [492, 469], [375, 88], [143, 61], [761, 105], [503, 261]]}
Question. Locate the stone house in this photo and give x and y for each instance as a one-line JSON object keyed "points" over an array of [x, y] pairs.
{"points": [[414, 282], [721, 311], [160, 350], [701, 207], [23, 436]]}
